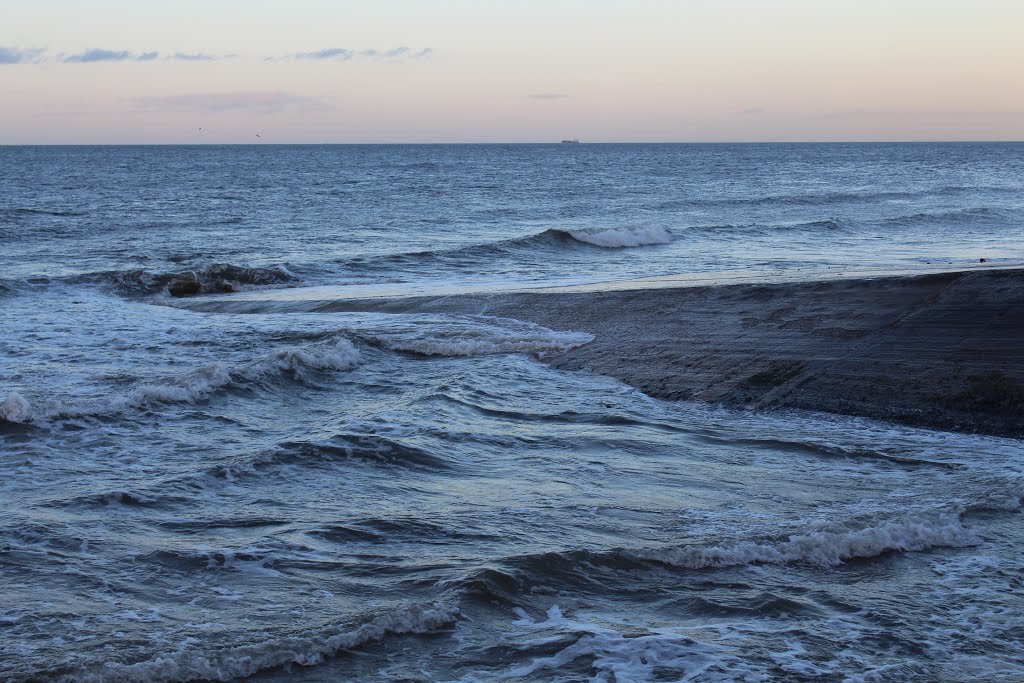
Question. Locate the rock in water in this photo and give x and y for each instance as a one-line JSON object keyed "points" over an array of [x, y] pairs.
{"points": [[183, 287]]}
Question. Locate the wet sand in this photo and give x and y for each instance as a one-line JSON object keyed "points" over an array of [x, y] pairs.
{"points": [[943, 350]]}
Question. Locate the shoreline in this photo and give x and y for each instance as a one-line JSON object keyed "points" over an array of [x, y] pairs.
{"points": [[940, 350]]}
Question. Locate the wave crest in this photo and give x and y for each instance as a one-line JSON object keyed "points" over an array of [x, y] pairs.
{"points": [[552, 241], [823, 547], [371, 448], [619, 238]]}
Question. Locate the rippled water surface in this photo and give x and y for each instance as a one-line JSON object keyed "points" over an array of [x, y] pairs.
{"points": [[367, 496]]}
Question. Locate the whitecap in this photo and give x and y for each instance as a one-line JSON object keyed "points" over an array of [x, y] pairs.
{"points": [[618, 238]]}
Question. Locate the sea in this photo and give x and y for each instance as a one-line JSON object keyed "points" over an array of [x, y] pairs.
{"points": [[365, 496]]}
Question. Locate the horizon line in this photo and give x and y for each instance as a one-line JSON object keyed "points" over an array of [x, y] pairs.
{"points": [[533, 142]]}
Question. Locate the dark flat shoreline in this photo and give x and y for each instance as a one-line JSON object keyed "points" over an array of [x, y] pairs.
{"points": [[943, 351]]}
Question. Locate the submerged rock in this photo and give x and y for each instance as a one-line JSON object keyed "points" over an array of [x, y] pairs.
{"points": [[182, 287]]}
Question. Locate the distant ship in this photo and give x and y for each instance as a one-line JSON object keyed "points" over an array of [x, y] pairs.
{"points": [[574, 141]]}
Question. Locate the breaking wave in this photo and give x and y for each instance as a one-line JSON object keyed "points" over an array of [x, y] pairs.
{"points": [[294, 363], [820, 546], [217, 278], [15, 409], [824, 547], [549, 242], [192, 662], [618, 238]]}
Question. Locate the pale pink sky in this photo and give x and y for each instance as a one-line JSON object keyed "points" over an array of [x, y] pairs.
{"points": [[74, 71]]}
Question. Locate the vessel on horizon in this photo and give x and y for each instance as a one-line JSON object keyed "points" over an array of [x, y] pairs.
{"points": [[573, 141]]}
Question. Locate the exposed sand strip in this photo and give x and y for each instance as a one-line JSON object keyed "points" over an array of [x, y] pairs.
{"points": [[943, 350]]}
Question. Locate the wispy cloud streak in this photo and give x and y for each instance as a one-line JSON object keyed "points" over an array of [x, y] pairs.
{"points": [[548, 96], [338, 53], [13, 55], [344, 54], [197, 57], [100, 55], [256, 102]]}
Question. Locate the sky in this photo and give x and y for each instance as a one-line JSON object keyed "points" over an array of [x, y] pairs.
{"points": [[396, 71]]}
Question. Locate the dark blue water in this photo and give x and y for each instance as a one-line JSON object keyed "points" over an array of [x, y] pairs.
{"points": [[340, 214], [363, 496]]}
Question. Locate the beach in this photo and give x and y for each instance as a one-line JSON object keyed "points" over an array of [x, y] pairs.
{"points": [[940, 350]]}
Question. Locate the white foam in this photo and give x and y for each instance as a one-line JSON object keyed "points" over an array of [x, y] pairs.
{"points": [[823, 547], [16, 409], [618, 657], [749, 650], [341, 356], [198, 386], [618, 238]]}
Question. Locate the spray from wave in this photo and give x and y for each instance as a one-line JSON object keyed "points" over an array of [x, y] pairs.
{"points": [[16, 409]]}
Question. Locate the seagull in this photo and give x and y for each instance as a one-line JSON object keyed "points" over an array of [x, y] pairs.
{"points": [[257, 134]]}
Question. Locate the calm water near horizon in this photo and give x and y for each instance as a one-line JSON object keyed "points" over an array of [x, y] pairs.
{"points": [[373, 497]]}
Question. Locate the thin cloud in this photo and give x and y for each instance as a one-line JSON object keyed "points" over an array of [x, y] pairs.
{"points": [[101, 55], [548, 96], [753, 111], [338, 53], [257, 102], [13, 55], [865, 114], [197, 57], [344, 54]]}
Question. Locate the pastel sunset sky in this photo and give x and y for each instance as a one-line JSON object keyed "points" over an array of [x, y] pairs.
{"points": [[309, 71]]}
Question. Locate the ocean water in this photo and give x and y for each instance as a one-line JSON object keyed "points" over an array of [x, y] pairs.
{"points": [[418, 497]]}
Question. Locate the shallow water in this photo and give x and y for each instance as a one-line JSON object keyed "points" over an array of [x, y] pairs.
{"points": [[361, 496]]}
